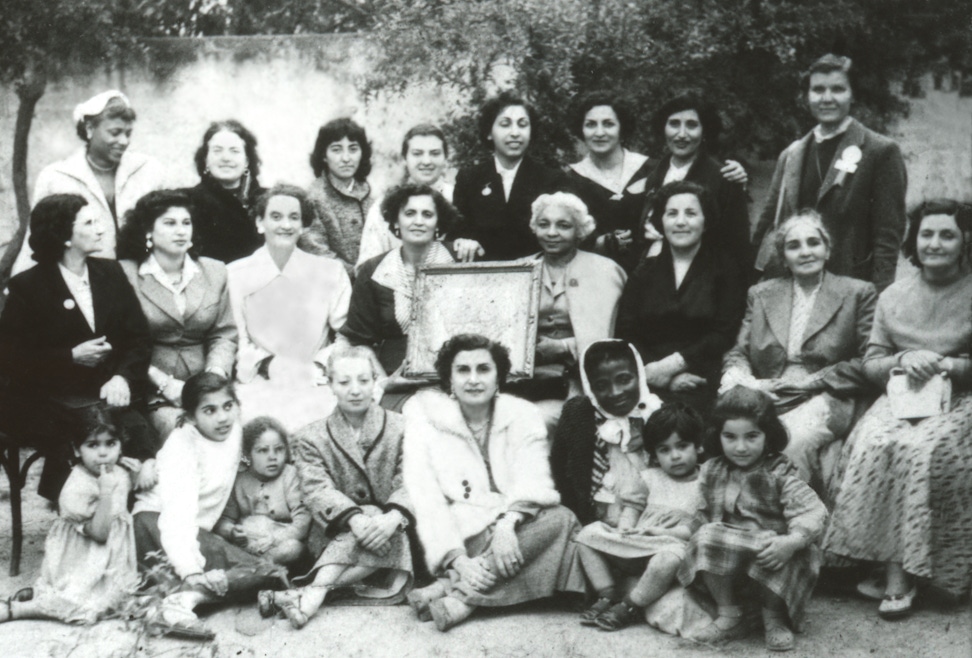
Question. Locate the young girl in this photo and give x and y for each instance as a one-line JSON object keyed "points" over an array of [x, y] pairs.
{"points": [[265, 513], [673, 436], [762, 522], [89, 556]]}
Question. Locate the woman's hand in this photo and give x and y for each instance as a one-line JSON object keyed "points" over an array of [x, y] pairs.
{"points": [[467, 250], [778, 550], [686, 381], [383, 528], [238, 534], [172, 391], [367, 532], [734, 172], [215, 581], [657, 376], [550, 350], [921, 365], [91, 352], [651, 233], [474, 572], [116, 392], [505, 548]]}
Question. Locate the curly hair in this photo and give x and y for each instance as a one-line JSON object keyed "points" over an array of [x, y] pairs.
{"points": [[576, 210], [690, 100], [660, 202], [467, 343], [255, 428], [345, 351], [804, 216], [741, 402], [249, 147], [140, 221], [962, 212], [52, 224], [588, 101], [335, 131], [492, 108], [395, 200], [307, 212]]}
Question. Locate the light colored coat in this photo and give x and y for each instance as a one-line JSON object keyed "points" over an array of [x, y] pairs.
{"points": [[446, 477], [137, 175], [205, 337]]}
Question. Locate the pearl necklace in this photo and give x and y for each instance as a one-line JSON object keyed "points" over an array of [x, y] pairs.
{"points": [[103, 170]]}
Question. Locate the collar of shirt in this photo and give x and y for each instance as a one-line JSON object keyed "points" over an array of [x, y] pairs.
{"points": [[152, 266], [73, 281], [507, 175], [676, 173], [818, 134], [80, 289]]}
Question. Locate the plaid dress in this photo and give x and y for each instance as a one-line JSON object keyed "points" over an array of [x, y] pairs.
{"points": [[744, 507]]}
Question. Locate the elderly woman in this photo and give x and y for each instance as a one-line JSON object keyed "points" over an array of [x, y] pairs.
{"points": [[340, 193], [579, 296], [229, 187], [288, 306], [903, 497], [381, 304], [104, 172], [184, 298], [425, 153], [801, 342], [682, 308], [351, 476], [690, 127], [476, 471], [71, 332], [494, 197]]}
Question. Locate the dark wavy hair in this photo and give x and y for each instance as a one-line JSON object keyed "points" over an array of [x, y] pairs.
{"points": [[425, 130], [690, 100], [680, 187], [115, 109], [830, 63], [140, 220], [249, 147], [52, 224], [492, 108], [396, 199], [962, 212], [92, 421], [335, 131], [255, 428], [586, 102], [741, 402], [202, 384], [466, 343], [673, 418], [307, 212]]}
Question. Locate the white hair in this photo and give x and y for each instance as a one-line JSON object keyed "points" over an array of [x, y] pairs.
{"points": [[576, 210]]}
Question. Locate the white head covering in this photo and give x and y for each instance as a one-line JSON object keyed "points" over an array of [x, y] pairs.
{"points": [[97, 104], [616, 430]]}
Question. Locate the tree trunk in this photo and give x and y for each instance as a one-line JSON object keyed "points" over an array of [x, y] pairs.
{"points": [[29, 91]]}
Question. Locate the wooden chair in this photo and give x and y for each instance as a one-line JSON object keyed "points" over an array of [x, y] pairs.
{"points": [[17, 477]]}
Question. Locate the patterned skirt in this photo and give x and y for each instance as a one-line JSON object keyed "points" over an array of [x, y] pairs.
{"points": [[906, 494]]}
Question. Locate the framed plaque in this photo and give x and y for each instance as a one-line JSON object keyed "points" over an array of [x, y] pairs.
{"points": [[500, 300]]}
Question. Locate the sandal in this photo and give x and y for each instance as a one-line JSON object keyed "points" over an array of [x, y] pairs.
{"points": [[175, 620], [267, 604], [898, 606], [289, 603], [714, 634], [618, 616], [589, 616]]}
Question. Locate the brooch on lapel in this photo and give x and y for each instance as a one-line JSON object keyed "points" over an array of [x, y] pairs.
{"points": [[69, 304], [573, 283], [848, 163], [487, 190]]}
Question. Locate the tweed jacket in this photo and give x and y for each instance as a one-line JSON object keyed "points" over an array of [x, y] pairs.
{"points": [[337, 228], [336, 478], [222, 226], [864, 210], [772, 495], [502, 227], [137, 175], [205, 337], [834, 341], [448, 481]]}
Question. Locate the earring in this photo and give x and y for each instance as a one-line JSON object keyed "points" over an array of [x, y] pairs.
{"points": [[245, 460], [67, 243], [260, 230], [397, 232], [206, 170], [148, 243], [246, 172], [438, 235]]}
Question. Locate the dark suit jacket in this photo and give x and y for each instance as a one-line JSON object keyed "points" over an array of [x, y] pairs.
{"points": [[864, 212], [834, 341], [41, 323], [502, 227]]}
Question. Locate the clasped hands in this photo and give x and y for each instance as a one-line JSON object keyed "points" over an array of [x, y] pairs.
{"points": [[373, 533], [922, 365]]}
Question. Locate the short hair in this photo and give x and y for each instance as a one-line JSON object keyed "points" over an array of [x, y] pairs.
{"points": [[52, 224], [307, 212], [425, 130], [255, 428], [604, 351], [492, 108], [140, 220], [803, 216], [673, 418], [741, 402], [830, 63], [467, 343], [576, 210], [690, 100], [249, 147], [962, 212], [346, 351], [395, 200], [586, 102], [92, 421], [335, 131], [202, 384], [116, 108], [660, 202]]}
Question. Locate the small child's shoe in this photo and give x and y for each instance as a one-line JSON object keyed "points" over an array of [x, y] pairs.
{"points": [[778, 636], [618, 616], [589, 616], [729, 625]]}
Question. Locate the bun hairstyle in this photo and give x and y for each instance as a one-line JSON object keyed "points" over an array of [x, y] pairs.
{"points": [[741, 402]]}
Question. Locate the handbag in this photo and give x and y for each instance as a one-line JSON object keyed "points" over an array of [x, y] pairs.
{"points": [[911, 402]]}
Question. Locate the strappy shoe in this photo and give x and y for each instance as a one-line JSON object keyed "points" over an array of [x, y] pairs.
{"points": [[266, 603], [618, 616], [589, 616], [898, 606], [289, 604]]}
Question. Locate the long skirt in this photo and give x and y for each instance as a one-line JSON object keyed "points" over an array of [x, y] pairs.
{"points": [[550, 562], [606, 539], [906, 494]]}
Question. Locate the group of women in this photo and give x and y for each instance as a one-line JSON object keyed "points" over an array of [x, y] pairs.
{"points": [[277, 288]]}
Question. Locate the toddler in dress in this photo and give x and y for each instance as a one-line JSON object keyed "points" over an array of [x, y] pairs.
{"points": [[265, 513]]}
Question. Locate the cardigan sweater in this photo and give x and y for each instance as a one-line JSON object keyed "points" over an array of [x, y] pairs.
{"points": [[336, 230]]}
